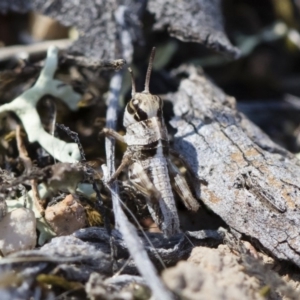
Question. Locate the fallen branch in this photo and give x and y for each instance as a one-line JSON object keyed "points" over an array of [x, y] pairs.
{"points": [[245, 178]]}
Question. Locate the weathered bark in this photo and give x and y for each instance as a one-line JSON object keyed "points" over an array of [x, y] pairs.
{"points": [[245, 178], [197, 21]]}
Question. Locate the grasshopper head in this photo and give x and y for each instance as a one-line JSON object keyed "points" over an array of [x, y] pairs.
{"points": [[143, 105]]}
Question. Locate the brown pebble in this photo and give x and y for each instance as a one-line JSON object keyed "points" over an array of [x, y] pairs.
{"points": [[66, 216]]}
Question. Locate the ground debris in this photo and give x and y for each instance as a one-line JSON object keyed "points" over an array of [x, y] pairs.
{"points": [[61, 176], [127, 287], [248, 186], [223, 274], [78, 256]]}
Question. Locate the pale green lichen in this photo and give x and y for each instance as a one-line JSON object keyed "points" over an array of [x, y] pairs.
{"points": [[24, 107]]}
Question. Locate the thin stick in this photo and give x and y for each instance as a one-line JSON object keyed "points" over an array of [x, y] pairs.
{"points": [[23, 154], [149, 70], [133, 88], [32, 49], [111, 122], [28, 166], [36, 197], [91, 63]]}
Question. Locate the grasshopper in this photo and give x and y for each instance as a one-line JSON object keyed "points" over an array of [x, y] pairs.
{"points": [[148, 157]]}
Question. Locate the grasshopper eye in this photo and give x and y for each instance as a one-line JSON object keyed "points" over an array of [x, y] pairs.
{"points": [[130, 108], [135, 102]]}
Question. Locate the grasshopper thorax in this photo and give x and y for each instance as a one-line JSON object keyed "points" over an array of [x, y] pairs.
{"points": [[143, 105]]}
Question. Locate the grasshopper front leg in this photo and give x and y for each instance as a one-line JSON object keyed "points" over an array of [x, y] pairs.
{"points": [[112, 133], [182, 188], [125, 160]]}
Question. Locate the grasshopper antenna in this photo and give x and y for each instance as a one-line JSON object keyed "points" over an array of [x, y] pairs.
{"points": [[133, 88], [147, 81]]}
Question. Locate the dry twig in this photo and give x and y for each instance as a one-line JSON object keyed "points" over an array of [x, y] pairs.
{"points": [[28, 166]]}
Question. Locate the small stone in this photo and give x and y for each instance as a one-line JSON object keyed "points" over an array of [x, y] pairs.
{"points": [[18, 231], [66, 216]]}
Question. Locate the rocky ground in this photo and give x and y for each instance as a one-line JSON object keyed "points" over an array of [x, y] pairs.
{"points": [[227, 72]]}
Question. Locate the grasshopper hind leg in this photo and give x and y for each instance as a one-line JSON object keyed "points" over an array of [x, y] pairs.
{"points": [[164, 214], [140, 180], [181, 187]]}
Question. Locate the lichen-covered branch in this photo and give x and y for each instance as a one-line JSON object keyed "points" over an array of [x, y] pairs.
{"points": [[24, 107]]}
